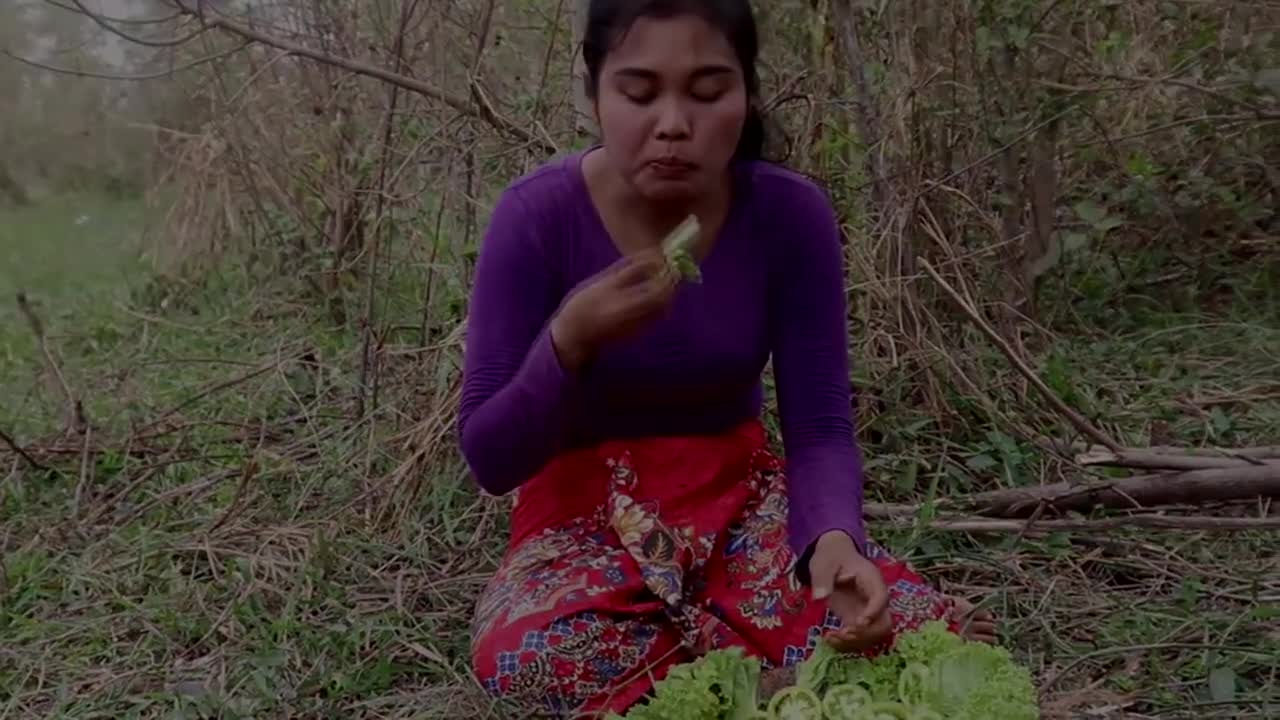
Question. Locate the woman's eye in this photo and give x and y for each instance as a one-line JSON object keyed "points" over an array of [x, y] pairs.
{"points": [[640, 93], [708, 93]]}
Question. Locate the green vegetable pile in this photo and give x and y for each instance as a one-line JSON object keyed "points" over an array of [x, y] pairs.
{"points": [[931, 674]]}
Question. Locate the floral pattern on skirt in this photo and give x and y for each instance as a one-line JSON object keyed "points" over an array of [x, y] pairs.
{"points": [[583, 616]]}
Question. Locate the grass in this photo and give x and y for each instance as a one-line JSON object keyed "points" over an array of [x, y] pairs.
{"points": [[74, 257], [68, 250], [236, 540]]}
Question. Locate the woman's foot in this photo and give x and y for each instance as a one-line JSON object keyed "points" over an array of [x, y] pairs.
{"points": [[975, 624]]}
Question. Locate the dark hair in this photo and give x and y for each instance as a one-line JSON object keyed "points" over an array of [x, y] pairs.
{"points": [[608, 20]]}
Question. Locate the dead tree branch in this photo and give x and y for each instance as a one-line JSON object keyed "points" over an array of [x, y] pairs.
{"points": [[1196, 487], [483, 111]]}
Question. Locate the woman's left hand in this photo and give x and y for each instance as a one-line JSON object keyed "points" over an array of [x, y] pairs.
{"points": [[855, 589]]}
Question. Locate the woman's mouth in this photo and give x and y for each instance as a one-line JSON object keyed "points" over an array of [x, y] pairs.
{"points": [[671, 168]]}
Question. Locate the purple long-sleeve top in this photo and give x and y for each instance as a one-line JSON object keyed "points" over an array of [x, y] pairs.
{"points": [[772, 287]]}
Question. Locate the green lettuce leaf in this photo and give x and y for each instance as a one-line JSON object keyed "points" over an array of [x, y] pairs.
{"points": [[721, 685]]}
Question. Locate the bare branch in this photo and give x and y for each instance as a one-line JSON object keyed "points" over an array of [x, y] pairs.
{"points": [[482, 110], [109, 27], [121, 21], [128, 78]]}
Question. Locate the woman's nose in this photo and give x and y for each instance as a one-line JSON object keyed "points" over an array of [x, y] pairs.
{"points": [[673, 121]]}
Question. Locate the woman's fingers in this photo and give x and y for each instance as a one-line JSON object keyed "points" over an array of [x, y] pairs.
{"points": [[635, 269], [975, 624], [981, 635], [984, 629], [875, 595], [849, 639]]}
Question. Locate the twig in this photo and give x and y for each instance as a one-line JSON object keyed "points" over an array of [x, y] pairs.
{"points": [[217, 387], [85, 473], [113, 502], [13, 445], [128, 78], [247, 474], [75, 412], [367, 396], [106, 24], [1076, 419], [121, 21], [191, 489]]}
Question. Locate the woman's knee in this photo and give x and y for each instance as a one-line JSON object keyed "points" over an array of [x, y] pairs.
{"points": [[574, 662]]}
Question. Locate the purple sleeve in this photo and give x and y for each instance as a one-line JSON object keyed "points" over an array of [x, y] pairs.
{"points": [[515, 393], [811, 372]]}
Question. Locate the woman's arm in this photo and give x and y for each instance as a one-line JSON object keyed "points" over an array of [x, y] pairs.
{"points": [[809, 333], [515, 392]]}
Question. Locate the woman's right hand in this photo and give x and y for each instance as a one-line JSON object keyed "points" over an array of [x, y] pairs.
{"points": [[619, 302]]}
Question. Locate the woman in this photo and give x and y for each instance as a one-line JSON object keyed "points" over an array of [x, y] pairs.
{"points": [[651, 522]]}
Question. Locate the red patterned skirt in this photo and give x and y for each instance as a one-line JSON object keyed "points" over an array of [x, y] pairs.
{"points": [[630, 557]]}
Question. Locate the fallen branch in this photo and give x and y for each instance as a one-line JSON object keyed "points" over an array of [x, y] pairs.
{"points": [[1153, 522], [1149, 460], [1195, 487], [1086, 450], [75, 419], [1075, 418], [1252, 453]]}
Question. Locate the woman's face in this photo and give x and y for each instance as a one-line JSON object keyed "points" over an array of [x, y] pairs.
{"points": [[671, 103]]}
